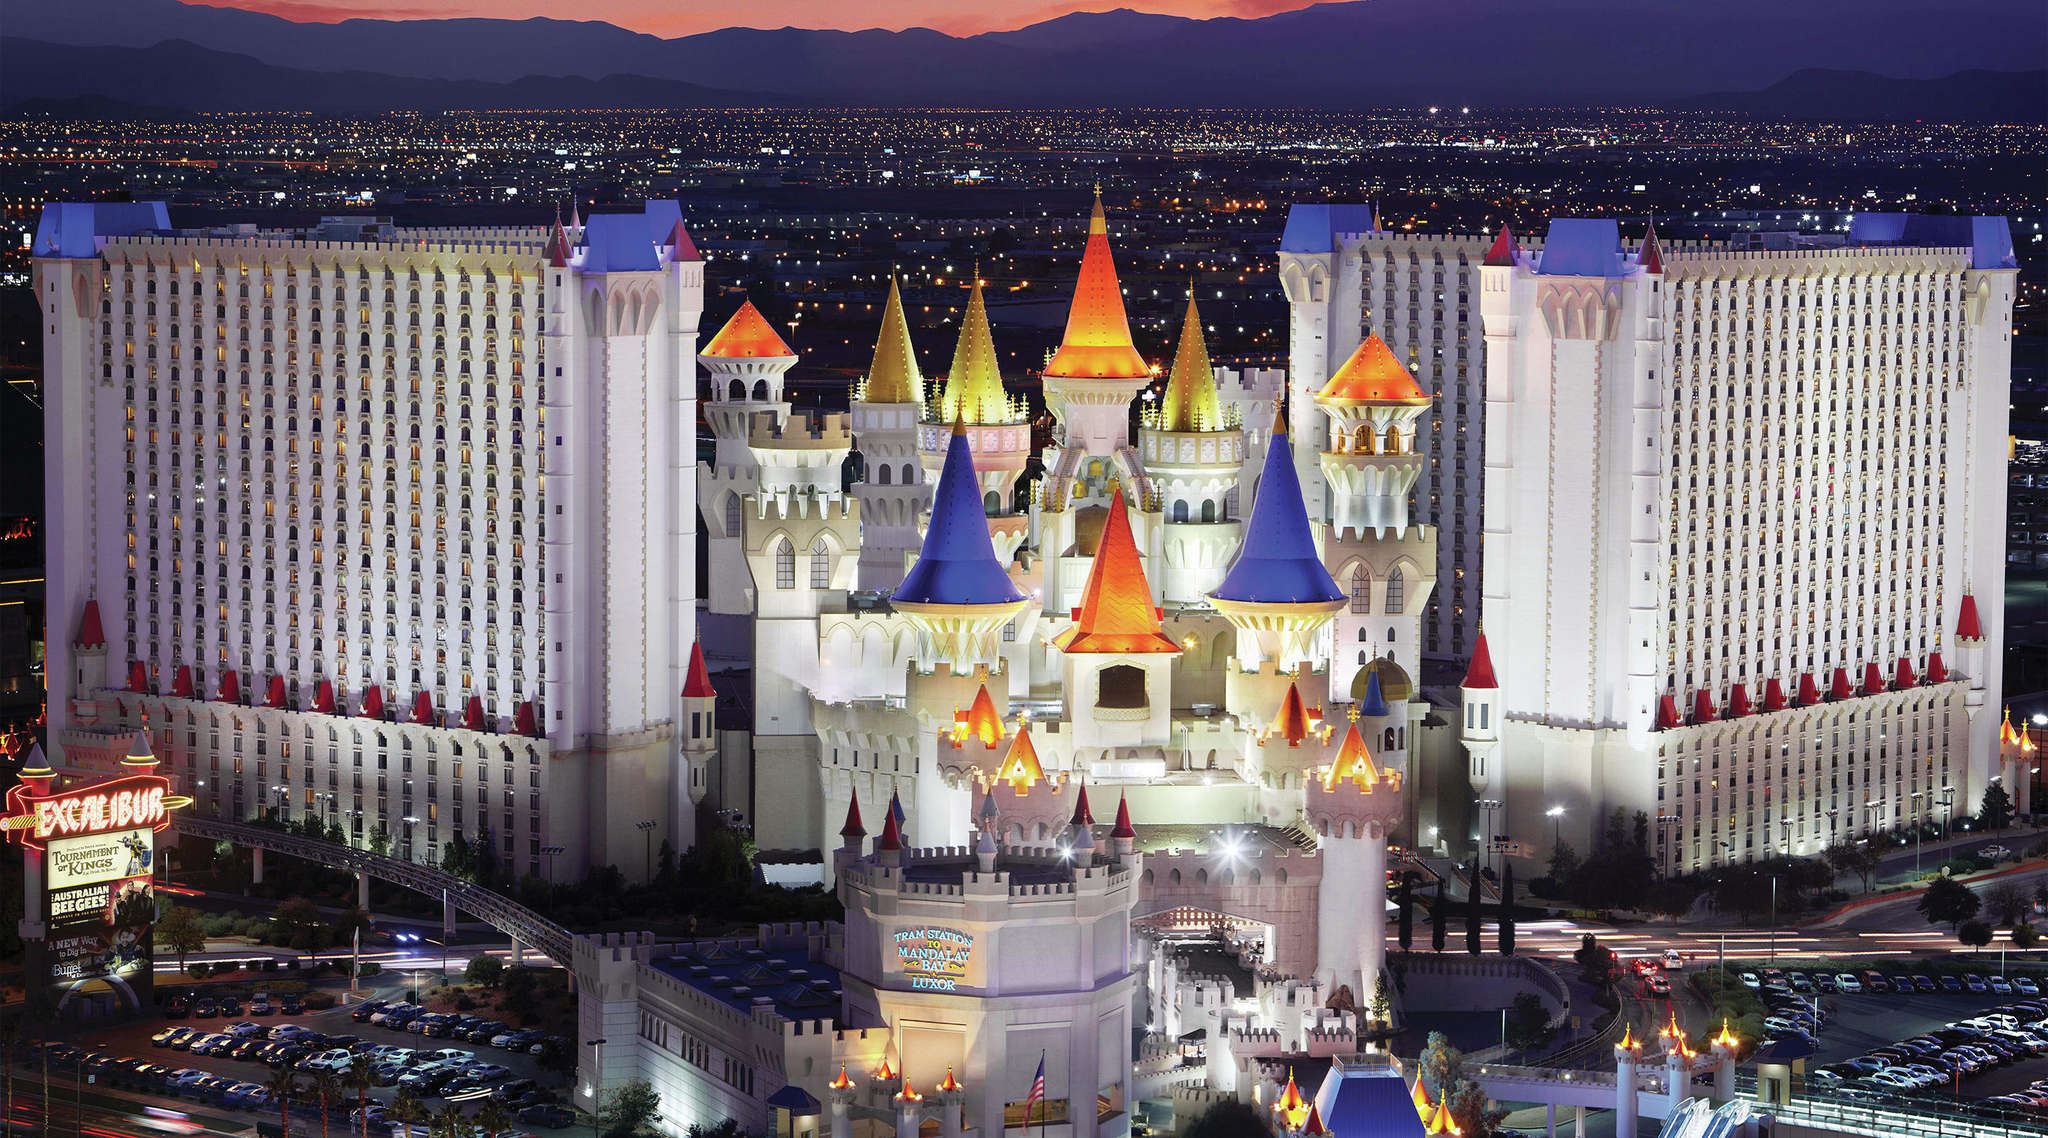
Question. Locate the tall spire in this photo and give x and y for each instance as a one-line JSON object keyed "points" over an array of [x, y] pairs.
{"points": [[1098, 340], [1278, 562], [1650, 258], [1191, 403], [1372, 375], [892, 375], [1116, 613], [1479, 673], [957, 565], [974, 385], [697, 683]]}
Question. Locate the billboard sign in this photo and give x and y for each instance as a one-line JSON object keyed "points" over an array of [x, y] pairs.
{"points": [[934, 959]]}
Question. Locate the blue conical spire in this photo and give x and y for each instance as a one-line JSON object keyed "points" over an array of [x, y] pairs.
{"points": [[1373, 704], [1278, 563], [958, 564]]}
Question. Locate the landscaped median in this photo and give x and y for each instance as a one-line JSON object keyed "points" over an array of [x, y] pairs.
{"points": [[1844, 911]]}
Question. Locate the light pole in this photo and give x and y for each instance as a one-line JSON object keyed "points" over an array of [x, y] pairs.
{"points": [[549, 853], [1486, 806], [647, 830], [596, 1084], [1556, 814], [1948, 805], [1774, 919], [1664, 824], [1919, 830]]}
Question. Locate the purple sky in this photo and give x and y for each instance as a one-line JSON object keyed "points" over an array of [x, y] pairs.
{"points": [[670, 18]]}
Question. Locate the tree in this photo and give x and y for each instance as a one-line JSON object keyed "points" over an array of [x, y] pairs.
{"points": [[182, 931], [2007, 901], [1438, 920], [1472, 919], [351, 921], [556, 1056], [1443, 1076], [493, 1118], [1670, 897], [1976, 934], [284, 1087], [1528, 1023], [380, 839], [1995, 809], [335, 833], [455, 856], [1859, 858], [1743, 888], [1228, 1118], [485, 969], [483, 855], [1564, 864], [1381, 1009], [631, 1107], [1507, 912], [1948, 901], [362, 1075], [665, 867], [326, 1089], [293, 915], [1597, 961], [2025, 936], [450, 1122], [408, 1109]]}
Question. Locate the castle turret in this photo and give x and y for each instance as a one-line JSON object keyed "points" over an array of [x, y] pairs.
{"points": [[699, 726], [1117, 657], [1353, 806], [1277, 595], [1091, 380], [747, 361], [1371, 463], [1193, 453], [885, 411], [1479, 728], [957, 595], [997, 427]]}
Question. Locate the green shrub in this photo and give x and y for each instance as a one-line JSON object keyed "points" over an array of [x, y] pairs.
{"points": [[198, 970], [319, 1001], [369, 968]]}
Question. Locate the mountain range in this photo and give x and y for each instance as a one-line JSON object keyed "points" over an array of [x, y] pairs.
{"points": [[1335, 55]]}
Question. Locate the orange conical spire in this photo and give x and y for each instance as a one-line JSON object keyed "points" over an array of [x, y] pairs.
{"points": [[981, 721], [1098, 340], [1020, 768], [1353, 763], [1422, 1106], [1116, 613], [1291, 721]]}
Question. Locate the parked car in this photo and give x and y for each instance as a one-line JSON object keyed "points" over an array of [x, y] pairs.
{"points": [[2026, 985], [1847, 982], [551, 1117], [291, 1005], [205, 1009], [1975, 983], [260, 1006], [368, 1008], [230, 1006]]}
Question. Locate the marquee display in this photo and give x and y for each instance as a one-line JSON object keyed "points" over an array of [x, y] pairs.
{"points": [[137, 802], [934, 959]]}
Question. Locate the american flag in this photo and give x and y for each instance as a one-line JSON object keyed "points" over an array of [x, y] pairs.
{"points": [[1037, 1088]]}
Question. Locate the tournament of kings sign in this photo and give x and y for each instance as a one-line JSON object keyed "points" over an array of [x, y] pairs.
{"points": [[934, 959]]}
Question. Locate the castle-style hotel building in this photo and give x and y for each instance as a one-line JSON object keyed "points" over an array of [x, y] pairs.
{"points": [[395, 526]]}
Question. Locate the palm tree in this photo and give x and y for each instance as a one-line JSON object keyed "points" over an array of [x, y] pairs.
{"points": [[328, 1089], [361, 1077], [407, 1108], [450, 1122], [284, 1086], [493, 1118]]}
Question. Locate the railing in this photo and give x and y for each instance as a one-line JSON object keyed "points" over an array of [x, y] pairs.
{"points": [[1892, 1120], [506, 916]]}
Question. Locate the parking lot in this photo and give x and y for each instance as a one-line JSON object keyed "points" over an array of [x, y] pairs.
{"points": [[135, 1041], [1983, 1062]]}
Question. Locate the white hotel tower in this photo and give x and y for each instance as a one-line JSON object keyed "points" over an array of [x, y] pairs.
{"points": [[392, 526], [1744, 532]]}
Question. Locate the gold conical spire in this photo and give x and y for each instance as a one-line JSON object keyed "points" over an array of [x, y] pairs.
{"points": [[974, 386], [892, 375], [1098, 340], [1191, 403]]}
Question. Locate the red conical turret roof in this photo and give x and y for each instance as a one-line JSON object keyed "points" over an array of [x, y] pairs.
{"points": [[1116, 614], [323, 697], [473, 713], [1738, 701], [1873, 678], [1967, 627], [1702, 707], [1082, 815], [90, 633], [746, 336], [1650, 258], [697, 685], [1937, 672], [1479, 673], [1667, 712], [422, 708], [1902, 676], [181, 684], [1291, 723], [373, 702], [681, 248], [275, 696], [892, 838], [1839, 688], [1123, 827], [1774, 695], [1504, 248], [231, 687], [853, 828], [1098, 340], [1809, 692]]}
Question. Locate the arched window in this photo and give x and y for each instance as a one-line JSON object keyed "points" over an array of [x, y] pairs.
{"points": [[1208, 510], [821, 565], [1396, 593], [1361, 439], [1393, 440], [1120, 686], [1363, 637], [739, 390], [732, 513], [1361, 592], [761, 391], [785, 565], [883, 472], [909, 474], [991, 503], [1180, 510]]}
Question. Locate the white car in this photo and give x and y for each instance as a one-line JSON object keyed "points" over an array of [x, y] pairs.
{"points": [[1847, 982], [1994, 853], [1750, 981]]}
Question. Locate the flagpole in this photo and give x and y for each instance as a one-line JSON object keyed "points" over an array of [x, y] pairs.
{"points": [[1044, 1105]]}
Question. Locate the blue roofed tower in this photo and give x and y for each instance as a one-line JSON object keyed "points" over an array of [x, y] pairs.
{"points": [[1277, 595]]}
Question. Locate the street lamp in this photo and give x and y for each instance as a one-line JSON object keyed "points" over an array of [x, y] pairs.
{"points": [[1919, 830], [596, 1083], [1486, 806], [549, 853], [1948, 805], [647, 830], [1556, 816]]}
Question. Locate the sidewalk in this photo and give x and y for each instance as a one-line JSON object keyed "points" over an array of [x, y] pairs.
{"points": [[1852, 908]]}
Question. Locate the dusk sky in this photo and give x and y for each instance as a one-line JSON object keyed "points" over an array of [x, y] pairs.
{"points": [[673, 18]]}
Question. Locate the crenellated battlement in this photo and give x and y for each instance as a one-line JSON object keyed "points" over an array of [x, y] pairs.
{"points": [[832, 430]]}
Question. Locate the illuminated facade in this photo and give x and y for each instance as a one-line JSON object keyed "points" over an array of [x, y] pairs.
{"points": [[340, 514], [1744, 533]]}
